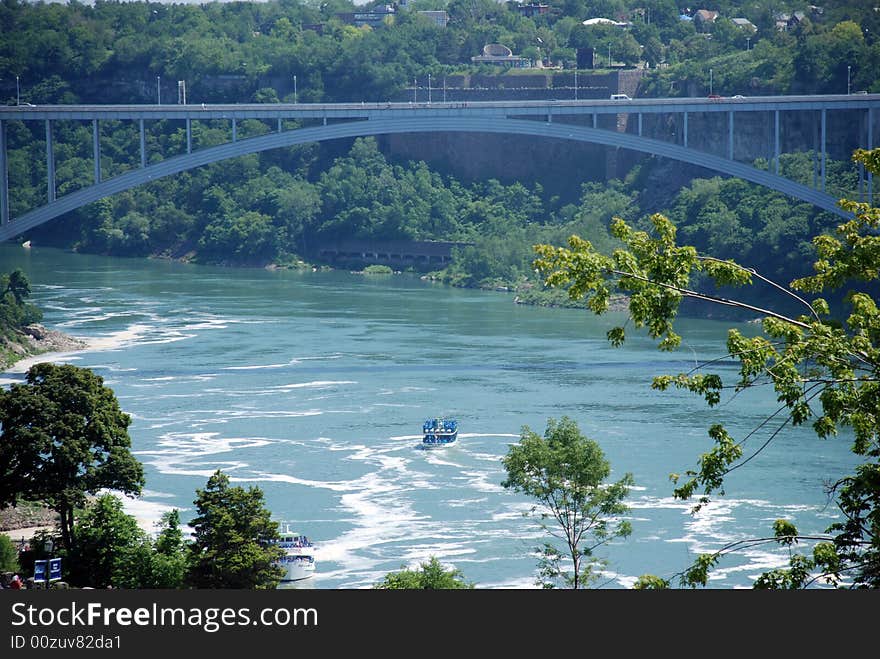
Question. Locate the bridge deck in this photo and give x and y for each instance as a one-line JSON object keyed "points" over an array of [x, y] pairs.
{"points": [[542, 119]]}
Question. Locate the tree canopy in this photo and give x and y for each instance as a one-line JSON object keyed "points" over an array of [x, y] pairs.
{"points": [[824, 369], [566, 471], [430, 575], [63, 436], [15, 309], [233, 543]]}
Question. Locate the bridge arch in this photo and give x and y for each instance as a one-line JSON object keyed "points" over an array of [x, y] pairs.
{"points": [[369, 127]]}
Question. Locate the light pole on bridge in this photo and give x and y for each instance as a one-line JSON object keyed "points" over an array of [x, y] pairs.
{"points": [[17, 92], [294, 89], [158, 90], [848, 67]]}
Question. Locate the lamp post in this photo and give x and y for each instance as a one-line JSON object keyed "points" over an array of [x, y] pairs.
{"points": [[848, 67], [429, 88], [575, 84], [17, 92], [609, 56], [710, 82], [158, 90], [294, 89]]}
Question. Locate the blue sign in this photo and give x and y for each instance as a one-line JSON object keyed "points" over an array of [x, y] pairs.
{"points": [[40, 570], [54, 569]]}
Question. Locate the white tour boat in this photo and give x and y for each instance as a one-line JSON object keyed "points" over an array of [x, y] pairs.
{"points": [[299, 556]]}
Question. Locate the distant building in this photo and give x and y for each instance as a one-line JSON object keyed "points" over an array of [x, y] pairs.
{"points": [[496, 53], [787, 21], [531, 9], [744, 24], [705, 16], [374, 18]]}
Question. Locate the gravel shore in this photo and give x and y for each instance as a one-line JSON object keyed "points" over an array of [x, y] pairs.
{"points": [[36, 340]]}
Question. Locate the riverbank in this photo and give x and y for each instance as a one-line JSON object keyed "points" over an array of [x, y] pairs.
{"points": [[35, 340], [23, 521]]}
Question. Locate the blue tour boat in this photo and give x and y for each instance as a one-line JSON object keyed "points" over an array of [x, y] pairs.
{"points": [[439, 431]]}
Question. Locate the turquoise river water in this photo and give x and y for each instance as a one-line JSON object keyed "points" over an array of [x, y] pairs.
{"points": [[314, 386]]}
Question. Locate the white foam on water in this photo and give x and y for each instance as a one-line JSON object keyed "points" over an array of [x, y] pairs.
{"points": [[422, 553], [513, 511], [465, 503], [315, 383], [433, 457], [256, 367], [178, 452], [479, 481], [120, 339]]}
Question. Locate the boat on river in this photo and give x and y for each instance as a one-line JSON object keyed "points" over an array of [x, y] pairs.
{"points": [[298, 560], [439, 431]]}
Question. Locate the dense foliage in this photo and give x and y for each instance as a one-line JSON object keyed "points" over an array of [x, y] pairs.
{"points": [[234, 51], [280, 207], [430, 575], [566, 471], [824, 369], [63, 436], [233, 534], [15, 310], [8, 554]]}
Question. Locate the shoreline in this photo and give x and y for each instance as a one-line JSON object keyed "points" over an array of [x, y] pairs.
{"points": [[36, 340]]}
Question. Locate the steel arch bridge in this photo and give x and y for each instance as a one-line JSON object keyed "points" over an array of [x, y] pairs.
{"points": [[564, 120]]}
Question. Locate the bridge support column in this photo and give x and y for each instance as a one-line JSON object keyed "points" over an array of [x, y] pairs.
{"points": [[96, 150], [685, 130], [730, 135], [189, 136], [50, 162], [640, 124], [870, 146], [279, 124], [234, 131], [824, 134], [143, 145], [815, 156], [4, 178], [595, 119], [776, 141]]}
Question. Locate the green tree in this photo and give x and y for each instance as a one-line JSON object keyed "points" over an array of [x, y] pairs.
{"points": [[824, 370], [15, 311], [566, 471], [8, 554], [429, 576], [107, 539], [233, 538], [63, 437], [154, 564]]}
